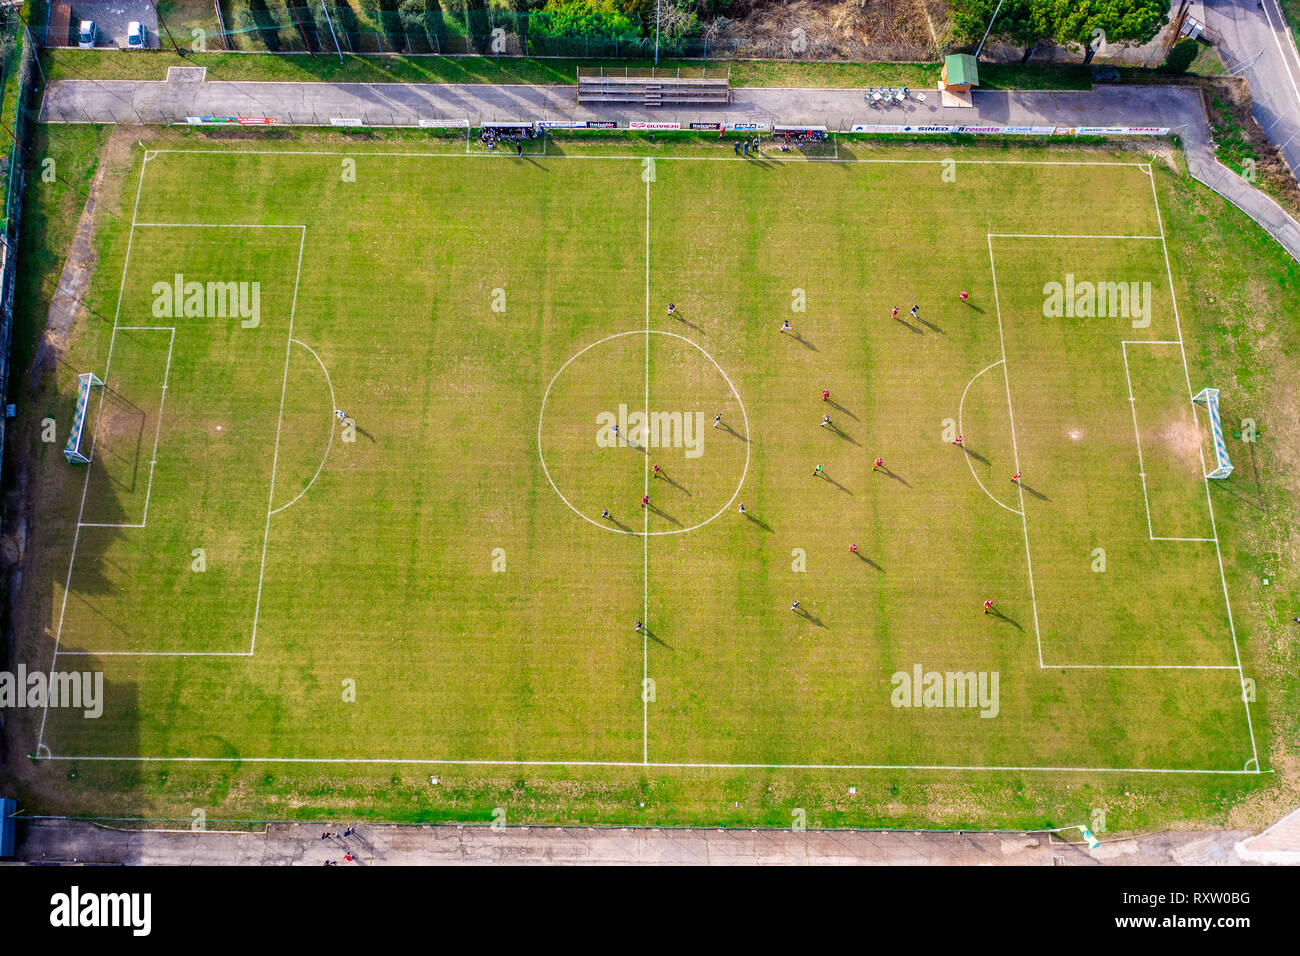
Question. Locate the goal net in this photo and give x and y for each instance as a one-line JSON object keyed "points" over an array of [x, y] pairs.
{"points": [[72, 450], [1222, 463]]}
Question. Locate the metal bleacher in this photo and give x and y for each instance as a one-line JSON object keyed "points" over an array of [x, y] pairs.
{"points": [[652, 87]]}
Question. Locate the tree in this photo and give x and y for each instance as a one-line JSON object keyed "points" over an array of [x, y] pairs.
{"points": [[1022, 22], [1093, 22], [480, 25], [585, 18]]}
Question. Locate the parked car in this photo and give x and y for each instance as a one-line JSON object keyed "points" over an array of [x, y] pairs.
{"points": [[136, 37], [87, 34]]}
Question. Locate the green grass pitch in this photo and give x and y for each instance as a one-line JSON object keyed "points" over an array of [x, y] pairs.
{"points": [[433, 584]]}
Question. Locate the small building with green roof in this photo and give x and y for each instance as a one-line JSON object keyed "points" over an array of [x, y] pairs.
{"points": [[960, 72]]}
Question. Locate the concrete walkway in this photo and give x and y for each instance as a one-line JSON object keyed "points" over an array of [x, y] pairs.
{"points": [[287, 844], [186, 93]]}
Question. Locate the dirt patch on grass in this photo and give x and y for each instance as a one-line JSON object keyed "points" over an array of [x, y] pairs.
{"points": [[74, 282]]}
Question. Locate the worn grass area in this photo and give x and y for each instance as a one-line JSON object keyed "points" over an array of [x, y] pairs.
{"points": [[112, 65], [437, 303]]}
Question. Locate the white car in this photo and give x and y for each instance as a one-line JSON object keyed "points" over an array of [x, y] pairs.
{"points": [[87, 34], [136, 38]]}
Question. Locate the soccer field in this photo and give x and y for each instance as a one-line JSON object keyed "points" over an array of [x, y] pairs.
{"points": [[431, 581]]}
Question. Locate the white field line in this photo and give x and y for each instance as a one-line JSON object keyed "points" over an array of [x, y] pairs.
{"points": [[638, 764], [108, 363], [279, 425], [1218, 550], [645, 763], [1137, 438], [330, 443], [688, 159], [157, 653], [960, 406], [1058, 235], [153, 460], [116, 329], [645, 536], [1144, 667], [1015, 451]]}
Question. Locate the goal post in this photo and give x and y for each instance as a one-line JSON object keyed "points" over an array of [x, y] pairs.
{"points": [[72, 450], [1222, 463]]}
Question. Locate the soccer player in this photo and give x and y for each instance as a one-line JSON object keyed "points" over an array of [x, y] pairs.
{"points": [[657, 471], [965, 295], [717, 419], [853, 549], [957, 440], [604, 512], [914, 311], [338, 413], [794, 606], [672, 308], [988, 605], [645, 501], [819, 472], [742, 507], [826, 394], [639, 626], [826, 420], [735, 147], [1016, 477], [878, 464], [785, 326], [894, 314], [616, 430]]}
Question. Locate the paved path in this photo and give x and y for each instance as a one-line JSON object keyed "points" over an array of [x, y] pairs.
{"points": [[287, 844], [1254, 42]]}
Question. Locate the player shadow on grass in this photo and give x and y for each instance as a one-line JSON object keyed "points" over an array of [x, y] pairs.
{"points": [[727, 428], [842, 434], [841, 409], [677, 314], [809, 617], [806, 343], [664, 477], [1035, 492], [994, 612], [908, 325], [867, 561], [649, 632], [884, 470], [663, 514], [826, 477], [974, 454], [931, 326], [758, 521]]}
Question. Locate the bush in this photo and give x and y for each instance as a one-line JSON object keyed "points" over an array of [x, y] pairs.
{"points": [[1181, 56]]}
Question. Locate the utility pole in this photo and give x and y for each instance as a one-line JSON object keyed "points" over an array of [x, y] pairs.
{"points": [[987, 29], [167, 29], [656, 32]]}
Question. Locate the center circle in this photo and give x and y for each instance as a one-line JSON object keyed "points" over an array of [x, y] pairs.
{"points": [[623, 405]]}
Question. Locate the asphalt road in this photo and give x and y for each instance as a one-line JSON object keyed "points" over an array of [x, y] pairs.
{"points": [[1255, 43]]}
